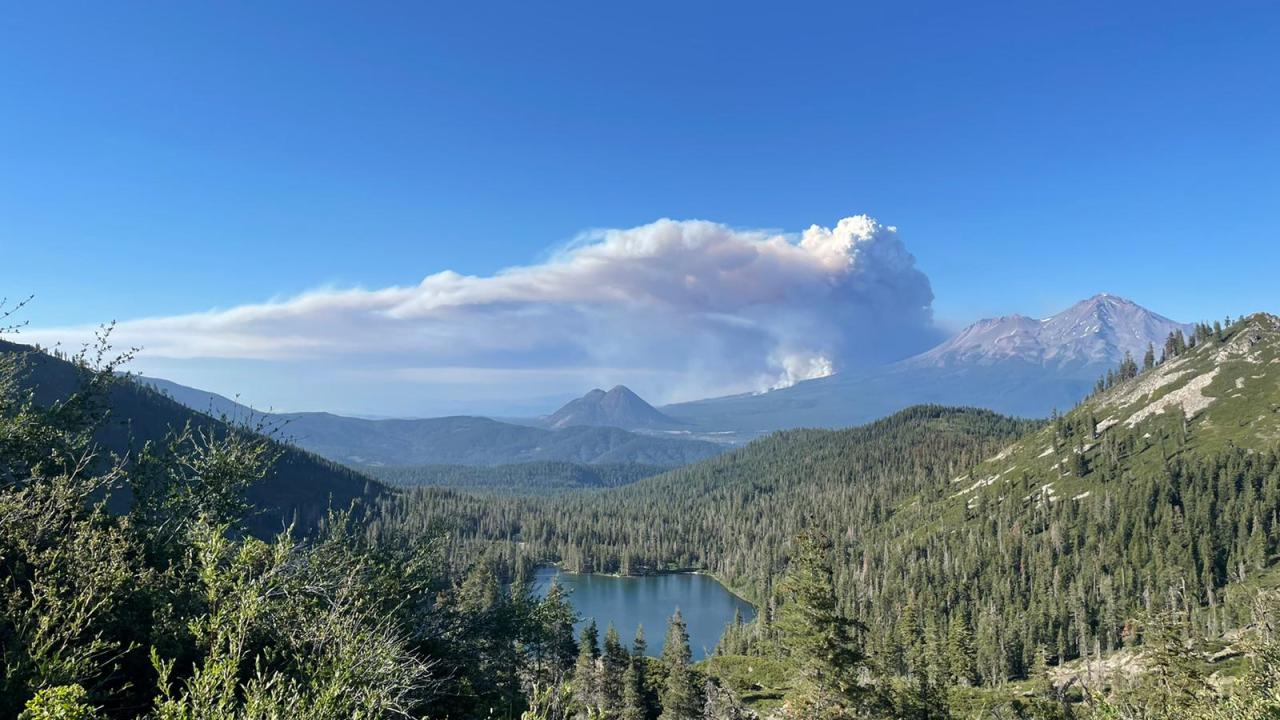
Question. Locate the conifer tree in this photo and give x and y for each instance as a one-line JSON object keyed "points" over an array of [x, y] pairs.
{"points": [[556, 617], [634, 706], [817, 635], [586, 679], [961, 655], [1044, 701], [907, 631], [645, 703], [1128, 368], [639, 646], [679, 694], [1174, 679], [613, 665]]}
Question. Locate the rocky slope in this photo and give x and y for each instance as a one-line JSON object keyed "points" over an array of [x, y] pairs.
{"points": [[1221, 393]]}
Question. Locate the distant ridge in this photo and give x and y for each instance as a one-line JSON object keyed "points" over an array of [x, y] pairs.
{"points": [[457, 440], [466, 440], [203, 401], [619, 407]]}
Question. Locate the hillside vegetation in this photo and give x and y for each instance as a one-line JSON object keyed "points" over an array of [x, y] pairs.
{"points": [[982, 550], [466, 440], [166, 609], [298, 485], [1116, 561], [533, 478]]}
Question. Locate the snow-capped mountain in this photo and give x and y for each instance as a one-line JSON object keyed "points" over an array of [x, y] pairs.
{"points": [[1097, 331], [1016, 365]]}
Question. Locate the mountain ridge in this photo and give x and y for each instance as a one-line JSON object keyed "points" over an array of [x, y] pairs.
{"points": [[1099, 330], [1015, 365], [450, 440]]}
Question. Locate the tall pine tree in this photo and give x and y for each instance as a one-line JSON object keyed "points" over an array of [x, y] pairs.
{"points": [[613, 665], [634, 706], [586, 678], [556, 617], [818, 636], [962, 657], [679, 694]]}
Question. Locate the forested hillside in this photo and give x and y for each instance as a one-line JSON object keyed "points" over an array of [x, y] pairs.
{"points": [[167, 610], [1116, 561], [520, 479], [980, 548], [298, 485], [733, 514]]}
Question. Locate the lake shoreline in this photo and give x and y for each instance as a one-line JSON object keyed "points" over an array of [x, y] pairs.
{"points": [[649, 600], [657, 573]]}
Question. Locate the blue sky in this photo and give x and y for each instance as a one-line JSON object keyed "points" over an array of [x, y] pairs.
{"points": [[164, 159]]}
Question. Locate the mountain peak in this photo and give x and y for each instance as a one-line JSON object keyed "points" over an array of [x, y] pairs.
{"points": [[1102, 305], [1263, 321], [1099, 330], [619, 407]]}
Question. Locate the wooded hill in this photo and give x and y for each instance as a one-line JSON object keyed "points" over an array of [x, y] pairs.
{"points": [[902, 568], [532, 478], [1010, 540], [298, 486]]}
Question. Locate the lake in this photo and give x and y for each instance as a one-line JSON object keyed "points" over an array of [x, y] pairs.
{"points": [[650, 600]]}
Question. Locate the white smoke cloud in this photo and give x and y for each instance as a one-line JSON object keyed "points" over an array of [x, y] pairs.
{"points": [[797, 368], [703, 306]]}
